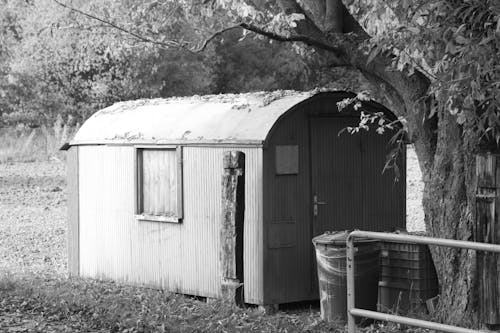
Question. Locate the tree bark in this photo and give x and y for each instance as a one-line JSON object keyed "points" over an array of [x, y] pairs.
{"points": [[449, 206], [487, 230], [231, 232]]}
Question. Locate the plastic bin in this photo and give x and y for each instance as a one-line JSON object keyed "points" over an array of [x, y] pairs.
{"points": [[407, 279], [397, 298], [331, 262]]}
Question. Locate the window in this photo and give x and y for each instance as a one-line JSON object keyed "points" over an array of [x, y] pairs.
{"points": [[159, 184], [287, 160]]}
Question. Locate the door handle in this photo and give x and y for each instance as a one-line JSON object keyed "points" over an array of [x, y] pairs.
{"points": [[316, 203]]}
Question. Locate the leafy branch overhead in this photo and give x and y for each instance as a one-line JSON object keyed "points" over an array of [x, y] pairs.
{"points": [[74, 58]]}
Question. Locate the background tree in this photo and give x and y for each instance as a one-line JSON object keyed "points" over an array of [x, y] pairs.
{"points": [[59, 62]]}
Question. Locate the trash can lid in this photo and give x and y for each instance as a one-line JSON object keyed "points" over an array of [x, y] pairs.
{"points": [[337, 238]]}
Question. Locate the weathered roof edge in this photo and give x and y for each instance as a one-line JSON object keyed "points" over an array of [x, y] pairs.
{"points": [[189, 120], [236, 107]]}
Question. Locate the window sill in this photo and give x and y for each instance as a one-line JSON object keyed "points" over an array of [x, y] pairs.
{"points": [[157, 218]]}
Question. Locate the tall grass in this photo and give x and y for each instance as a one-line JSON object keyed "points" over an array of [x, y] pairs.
{"points": [[24, 144]]}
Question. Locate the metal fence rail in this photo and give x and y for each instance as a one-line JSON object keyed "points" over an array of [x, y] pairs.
{"points": [[352, 311]]}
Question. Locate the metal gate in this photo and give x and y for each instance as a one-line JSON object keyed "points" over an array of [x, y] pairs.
{"points": [[352, 311]]}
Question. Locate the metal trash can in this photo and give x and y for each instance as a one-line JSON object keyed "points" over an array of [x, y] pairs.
{"points": [[331, 262]]}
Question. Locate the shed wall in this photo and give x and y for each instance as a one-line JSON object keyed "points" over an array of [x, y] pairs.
{"points": [[177, 257], [344, 172], [73, 215]]}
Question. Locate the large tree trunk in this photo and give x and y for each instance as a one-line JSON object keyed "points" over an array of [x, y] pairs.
{"points": [[447, 162], [446, 154], [449, 206]]}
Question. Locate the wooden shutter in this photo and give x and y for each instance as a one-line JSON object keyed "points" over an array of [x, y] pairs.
{"points": [[159, 187]]}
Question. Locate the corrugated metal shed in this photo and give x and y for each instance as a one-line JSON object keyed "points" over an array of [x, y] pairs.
{"points": [[243, 118], [294, 157]]}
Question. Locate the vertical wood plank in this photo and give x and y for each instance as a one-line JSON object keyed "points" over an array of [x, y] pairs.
{"points": [[233, 214], [179, 183], [73, 212], [487, 231], [137, 180], [160, 183]]}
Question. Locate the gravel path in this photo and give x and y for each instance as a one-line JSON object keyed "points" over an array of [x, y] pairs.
{"points": [[33, 218], [414, 190]]}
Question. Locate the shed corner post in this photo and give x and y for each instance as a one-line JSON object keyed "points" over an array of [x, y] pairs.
{"points": [[231, 233], [486, 230], [73, 235]]}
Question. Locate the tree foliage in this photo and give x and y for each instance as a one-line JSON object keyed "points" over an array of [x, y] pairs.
{"points": [[59, 61]]}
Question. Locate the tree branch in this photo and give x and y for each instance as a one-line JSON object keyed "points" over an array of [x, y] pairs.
{"points": [[320, 44], [334, 51], [215, 35], [168, 44], [305, 27], [334, 16]]}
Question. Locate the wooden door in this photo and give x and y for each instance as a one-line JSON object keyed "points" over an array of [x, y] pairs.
{"points": [[337, 179]]}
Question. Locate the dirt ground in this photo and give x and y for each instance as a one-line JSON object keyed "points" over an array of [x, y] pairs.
{"points": [[33, 218]]}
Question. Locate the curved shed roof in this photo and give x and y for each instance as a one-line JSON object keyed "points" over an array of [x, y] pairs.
{"points": [[243, 118], [229, 119]]}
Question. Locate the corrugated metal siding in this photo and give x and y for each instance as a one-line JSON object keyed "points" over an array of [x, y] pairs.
{"points": [[73, 215], [287, 217], [202, 197], [178, 257], [106, 211], [384, 199]]}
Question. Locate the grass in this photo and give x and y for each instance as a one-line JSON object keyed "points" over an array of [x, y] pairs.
{"points": [[24, 144], [89, 305]]}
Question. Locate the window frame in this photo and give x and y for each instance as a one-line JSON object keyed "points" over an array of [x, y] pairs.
{"points": [[138, 185]]}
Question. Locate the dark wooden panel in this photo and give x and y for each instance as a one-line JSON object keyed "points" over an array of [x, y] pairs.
{"points": [[73, 212], [288, 249], [282, 234], [336, 175], [337, 170], [384, 198], [287, 159], [487, 231]]}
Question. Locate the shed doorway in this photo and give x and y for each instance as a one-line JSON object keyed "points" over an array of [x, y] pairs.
{"points": [[349, 188], [337, 181]]}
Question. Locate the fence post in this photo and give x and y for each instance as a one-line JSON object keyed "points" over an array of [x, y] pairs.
{"points": [[487, 230], [351, 324], [231, 236]]}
